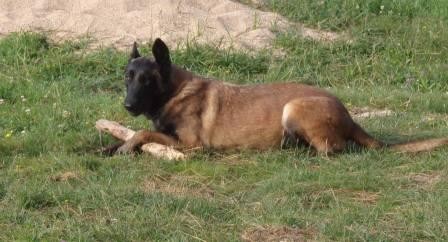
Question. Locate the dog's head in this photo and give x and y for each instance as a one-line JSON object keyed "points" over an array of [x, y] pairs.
{"points": [[148, 82]]}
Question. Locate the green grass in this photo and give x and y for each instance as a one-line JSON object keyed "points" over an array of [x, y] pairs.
{"points": [[53, 94]]}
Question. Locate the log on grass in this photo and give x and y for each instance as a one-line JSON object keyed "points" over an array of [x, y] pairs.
{"points": [[122, 133]]}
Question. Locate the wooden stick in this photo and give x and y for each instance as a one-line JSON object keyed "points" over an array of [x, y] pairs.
{"points": [[122, 133], [163, 151], [115, 129], [378, 113]]}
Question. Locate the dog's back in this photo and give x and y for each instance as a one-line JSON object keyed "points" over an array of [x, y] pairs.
{"points": [[233, 116]]}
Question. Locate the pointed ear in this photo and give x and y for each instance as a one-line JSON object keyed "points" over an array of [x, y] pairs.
{"points": [[134, 52], [161, 53]]}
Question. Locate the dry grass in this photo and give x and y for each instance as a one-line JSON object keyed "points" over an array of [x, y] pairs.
{"points": [[425, 180], [65, 176], [365, 197], [179, 186], [277, 233], [435, 117]]}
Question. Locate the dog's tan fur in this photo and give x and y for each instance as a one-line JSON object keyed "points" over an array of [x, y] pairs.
{"points": [[210, 113]]}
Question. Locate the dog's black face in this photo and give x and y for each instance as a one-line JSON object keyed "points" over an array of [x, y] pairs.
{"points": [[148, 83]]}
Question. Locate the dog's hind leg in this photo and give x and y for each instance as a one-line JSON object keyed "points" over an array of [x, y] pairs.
{"points": [[317, 120]]}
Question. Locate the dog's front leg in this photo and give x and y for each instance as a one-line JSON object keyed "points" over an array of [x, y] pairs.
{"points": [[142, 137]]}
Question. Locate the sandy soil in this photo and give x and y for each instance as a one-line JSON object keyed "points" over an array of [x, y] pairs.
{"points": [[121, 22]]}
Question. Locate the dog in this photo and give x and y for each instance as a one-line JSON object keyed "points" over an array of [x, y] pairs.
{"points": [[189, 111]]}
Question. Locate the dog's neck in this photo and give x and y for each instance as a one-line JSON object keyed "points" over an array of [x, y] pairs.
{"points": [[179, 78]]}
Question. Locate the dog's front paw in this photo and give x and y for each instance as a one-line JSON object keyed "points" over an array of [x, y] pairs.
{"points": [[110, 149], [126, 148]]}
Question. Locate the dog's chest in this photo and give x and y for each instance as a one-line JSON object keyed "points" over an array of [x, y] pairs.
{"points": [[165, 127], [182, 124]]}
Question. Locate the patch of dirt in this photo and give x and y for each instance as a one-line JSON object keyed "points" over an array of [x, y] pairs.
{"points": [[277, 233], [319, 35], [259, 4], [368, 112], [425, 180], [65, 176], [121, 22], [179, 186], [233, 160], [366, 197]]}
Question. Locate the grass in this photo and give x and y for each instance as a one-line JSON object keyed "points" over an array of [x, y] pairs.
{"points": [[53, 186]]}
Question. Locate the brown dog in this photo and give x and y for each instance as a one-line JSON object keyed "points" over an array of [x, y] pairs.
{"points": [[192, 111]]}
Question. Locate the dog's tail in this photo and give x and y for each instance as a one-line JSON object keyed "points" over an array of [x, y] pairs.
{"points": [[363, 138], [419, 145]]}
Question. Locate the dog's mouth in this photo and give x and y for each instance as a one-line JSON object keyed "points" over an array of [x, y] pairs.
{"points": [[133, 110]]}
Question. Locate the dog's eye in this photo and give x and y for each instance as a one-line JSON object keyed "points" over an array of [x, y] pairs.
{"points": [[145, 79], [128, 76]]}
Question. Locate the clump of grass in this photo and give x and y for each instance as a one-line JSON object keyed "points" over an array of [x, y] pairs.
{"points": [[23, 48], [91, 164], [342, 14], [206, 59], [37, 200]]}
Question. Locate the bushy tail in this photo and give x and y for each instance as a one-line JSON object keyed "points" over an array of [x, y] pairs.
{"points": [[363, 138], [419, 145]]}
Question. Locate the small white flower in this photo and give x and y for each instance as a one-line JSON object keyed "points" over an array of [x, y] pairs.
{"points": [[382, 7], [27, 110], [23, 98], [2, 101], [23, 132], [65, 113]]}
